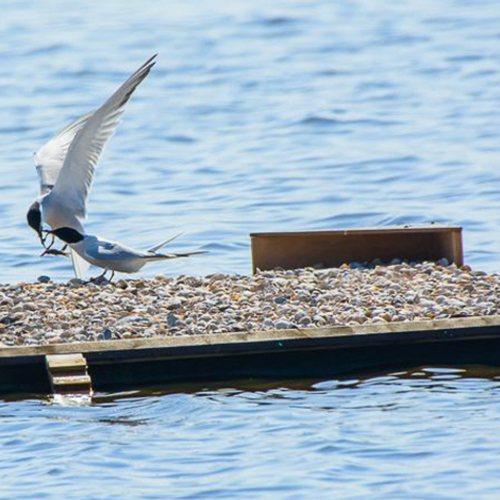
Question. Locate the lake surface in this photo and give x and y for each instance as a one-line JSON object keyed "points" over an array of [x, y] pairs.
{"points": [[424, 434], [259, 116]]}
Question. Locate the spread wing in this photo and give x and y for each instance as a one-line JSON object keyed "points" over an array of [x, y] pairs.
{"points": [[76, 175], [49, 158]]}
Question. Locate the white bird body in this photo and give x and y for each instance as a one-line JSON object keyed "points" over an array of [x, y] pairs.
{"points": [[111, 255], [55, 213], [66, 164]]}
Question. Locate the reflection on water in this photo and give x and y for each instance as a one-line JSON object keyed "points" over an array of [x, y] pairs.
{"points": [[387, 435], [70, 399]]}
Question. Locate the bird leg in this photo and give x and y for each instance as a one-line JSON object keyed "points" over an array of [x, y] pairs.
{"points": [[99, 278]]}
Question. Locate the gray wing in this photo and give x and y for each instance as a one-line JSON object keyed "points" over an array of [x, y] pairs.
{"points": [[76, 175], [109, 250], [50, 157]]}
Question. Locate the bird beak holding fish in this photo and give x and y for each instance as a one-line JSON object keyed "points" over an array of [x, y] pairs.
{"points": [[48, 249]]}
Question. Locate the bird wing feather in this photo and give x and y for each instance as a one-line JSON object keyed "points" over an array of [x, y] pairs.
{"points": [[49, 158], [80, 265], [98, 248], [76, 175]]}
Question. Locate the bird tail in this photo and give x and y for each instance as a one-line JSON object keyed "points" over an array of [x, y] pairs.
{"points": [[80, 265], [161, 256], [163, 243]]}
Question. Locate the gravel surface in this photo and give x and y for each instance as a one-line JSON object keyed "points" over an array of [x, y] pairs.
{"points": [[47, 313]]}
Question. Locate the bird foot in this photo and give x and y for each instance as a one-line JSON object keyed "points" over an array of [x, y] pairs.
{"points": [[99, 280]]}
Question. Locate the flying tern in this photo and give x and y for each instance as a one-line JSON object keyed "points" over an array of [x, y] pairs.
{"points": [[113, 256], [66, 165]]}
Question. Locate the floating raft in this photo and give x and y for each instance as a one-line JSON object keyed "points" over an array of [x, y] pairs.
{"points": [[83, 367], [308, 353]]}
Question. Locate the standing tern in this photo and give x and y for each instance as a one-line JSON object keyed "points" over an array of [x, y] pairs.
{"points": [[112, 256], [66, 165]]}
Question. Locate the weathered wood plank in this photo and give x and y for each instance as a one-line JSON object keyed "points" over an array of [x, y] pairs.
{"points": [[292, 250], [80, 380], [67, 373], [66, 362], [429, 228], [321, 352], [432, 330]]}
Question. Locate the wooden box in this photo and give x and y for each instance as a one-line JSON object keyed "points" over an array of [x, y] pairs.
{"points": [[291, 250]]}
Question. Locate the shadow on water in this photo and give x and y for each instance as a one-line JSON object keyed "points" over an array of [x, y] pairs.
{"points": [[429, 373], [433, 374]]}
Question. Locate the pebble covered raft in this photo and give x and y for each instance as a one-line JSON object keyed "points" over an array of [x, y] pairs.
{"points": [[49, 313]]}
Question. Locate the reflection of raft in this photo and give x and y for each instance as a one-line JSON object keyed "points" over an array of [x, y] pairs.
{"points": [[320, 352], [295, 353]]}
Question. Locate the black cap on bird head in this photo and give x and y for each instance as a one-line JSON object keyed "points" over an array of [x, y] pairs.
{"points": [[34, 217], [68, 235]]}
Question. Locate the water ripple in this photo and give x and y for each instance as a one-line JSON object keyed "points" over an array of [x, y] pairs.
{"points": [[259, 116], [388, 435], [293, 117]]}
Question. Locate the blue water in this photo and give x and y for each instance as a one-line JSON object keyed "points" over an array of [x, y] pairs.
{"points": [[420, 435], [259, 116]]}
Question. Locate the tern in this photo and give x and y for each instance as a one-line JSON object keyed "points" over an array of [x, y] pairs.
{"points": [[66, 165], [113, 256]]}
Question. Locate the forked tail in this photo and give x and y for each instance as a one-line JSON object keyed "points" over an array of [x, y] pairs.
{"points": [[163, 243], [160, 256]]}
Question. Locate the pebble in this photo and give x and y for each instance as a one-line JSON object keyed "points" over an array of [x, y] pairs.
{"points": [[172, 320], [305, 321], [129, 319], [174, 304], [283, 323], [362, 293], [107, 334], [121, 284]]}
